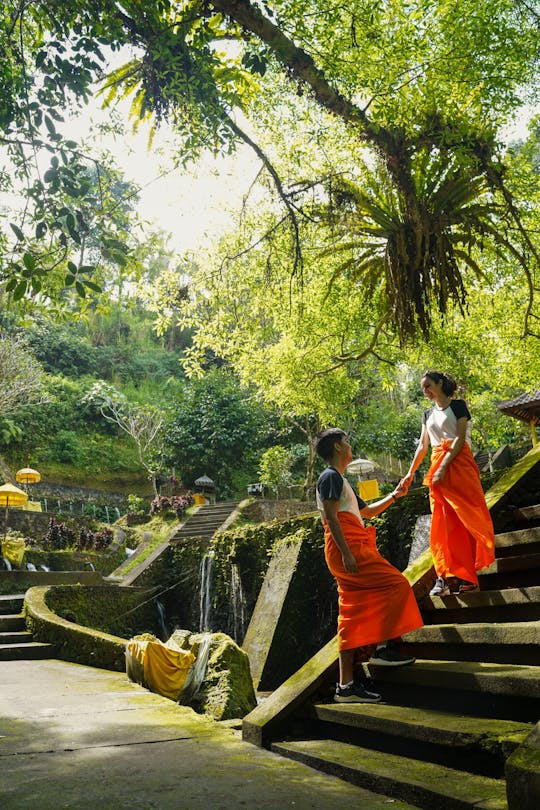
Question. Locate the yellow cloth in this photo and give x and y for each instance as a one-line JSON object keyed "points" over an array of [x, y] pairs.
{"points": [[368, 490], [165, 668], [33, 506], [13, 550]]}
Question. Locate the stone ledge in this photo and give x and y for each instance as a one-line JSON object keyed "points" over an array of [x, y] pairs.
{"points": [[523, 774], [94, 647]]}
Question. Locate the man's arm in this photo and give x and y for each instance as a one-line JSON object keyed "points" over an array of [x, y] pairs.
{"points": [[330, 508], [376, 508]]}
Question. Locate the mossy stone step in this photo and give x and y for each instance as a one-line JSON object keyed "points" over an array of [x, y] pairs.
{"points": [[11, 603], [506, 633], [519, 537], [474, 676], [426, 725], [423, 784], [19, 637], [509, 604], [528, 512], [503, 565], [12, 622], [24, 652]]}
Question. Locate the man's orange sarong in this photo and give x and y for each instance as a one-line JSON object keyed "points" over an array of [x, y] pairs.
{"points": [[461, 538], [375, 604]]}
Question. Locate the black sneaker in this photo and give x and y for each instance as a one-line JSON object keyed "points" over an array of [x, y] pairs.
{"points": [[355, 693], [467, 587], [390, 656]]}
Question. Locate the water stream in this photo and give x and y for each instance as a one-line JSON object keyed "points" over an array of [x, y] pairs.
{"points": [[237, 606], [205, 593], [161, 618]]}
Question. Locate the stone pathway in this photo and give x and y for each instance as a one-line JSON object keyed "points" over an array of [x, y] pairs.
{"points": [[78, 737]]}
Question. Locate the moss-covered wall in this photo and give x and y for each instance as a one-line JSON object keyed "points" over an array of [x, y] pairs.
{"points": [[103, 562], [72, 642], [122, 612]]}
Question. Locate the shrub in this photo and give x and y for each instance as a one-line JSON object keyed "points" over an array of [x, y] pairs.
{"points": [[176, 503]]}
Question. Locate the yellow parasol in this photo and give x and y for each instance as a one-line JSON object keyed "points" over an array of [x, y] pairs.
{"points": [[11, 495], [27, 476]]}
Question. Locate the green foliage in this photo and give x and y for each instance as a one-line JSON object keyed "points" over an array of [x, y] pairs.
{"points": [[275, 468], [217, 428]]}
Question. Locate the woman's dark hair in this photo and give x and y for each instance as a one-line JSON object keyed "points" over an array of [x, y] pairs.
{"points": [[327, 440], [449, 385]]}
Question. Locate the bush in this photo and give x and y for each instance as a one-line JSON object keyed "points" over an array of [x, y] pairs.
{"points": [[59, 536], [176, 503]]}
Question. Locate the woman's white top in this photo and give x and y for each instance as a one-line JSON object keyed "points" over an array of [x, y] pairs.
{"points": [[441, 423]]}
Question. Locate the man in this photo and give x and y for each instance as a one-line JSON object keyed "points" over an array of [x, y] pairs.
{"points": [[376, 603]]}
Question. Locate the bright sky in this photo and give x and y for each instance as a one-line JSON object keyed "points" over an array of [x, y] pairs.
{"points": [[194, 204]]}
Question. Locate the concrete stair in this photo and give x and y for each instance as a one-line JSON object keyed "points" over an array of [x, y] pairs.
{"points": [[15, 642], [448, 723], [206, 521]]}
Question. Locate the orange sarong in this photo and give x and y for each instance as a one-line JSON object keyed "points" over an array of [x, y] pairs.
{"points": [[461, 538], [375, 604]]}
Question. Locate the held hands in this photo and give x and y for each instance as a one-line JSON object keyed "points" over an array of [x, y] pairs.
{"points": [[403, 486]]}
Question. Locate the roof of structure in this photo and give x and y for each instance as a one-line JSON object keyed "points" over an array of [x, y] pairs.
{"points": [[526, 407]]}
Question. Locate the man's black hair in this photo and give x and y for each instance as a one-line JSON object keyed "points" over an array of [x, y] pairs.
{"points": [[326, 442]]}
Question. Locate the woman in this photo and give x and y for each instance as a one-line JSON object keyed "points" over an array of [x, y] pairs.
{"points": [[461, 537]]}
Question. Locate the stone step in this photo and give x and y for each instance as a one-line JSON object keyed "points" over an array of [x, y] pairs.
{"points": [[520, 541], [12, 622], [512, 604], [528, 512], [423, 784], [505, 643], [472, 687], [18, 637], [25, 652], [11, 603], [511, 572], [475, 744]]}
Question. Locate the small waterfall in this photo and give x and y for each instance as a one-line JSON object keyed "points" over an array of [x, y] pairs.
{"points": [[45, 504], [31, 567], [205, 593], [90, 565], [59, 506], [117, 513], [161, 617], [237, 606], [7, 563], [108, 519], [71, 507], [94, 509]]}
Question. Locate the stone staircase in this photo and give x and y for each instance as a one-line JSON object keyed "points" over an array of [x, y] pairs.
{"points": [[15, 642], [449, 723], [206, 521]]}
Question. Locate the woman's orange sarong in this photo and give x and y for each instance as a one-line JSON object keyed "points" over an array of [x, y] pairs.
{"points": [[461, 537], [375, 604]]}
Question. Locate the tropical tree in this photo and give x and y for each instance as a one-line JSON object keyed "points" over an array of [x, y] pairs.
{"points": [[275, 468], [218, 429], [142, 423], [413, 82]]}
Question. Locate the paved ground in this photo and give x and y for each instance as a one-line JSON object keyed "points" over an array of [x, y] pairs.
{"points": [[79, 737]]}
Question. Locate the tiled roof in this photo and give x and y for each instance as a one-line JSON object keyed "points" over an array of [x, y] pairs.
{"points": [[525, 407]]}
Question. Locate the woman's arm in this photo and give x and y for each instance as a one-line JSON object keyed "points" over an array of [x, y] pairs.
{"points": [[330, 508], [418, 458], [457, 444]]}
